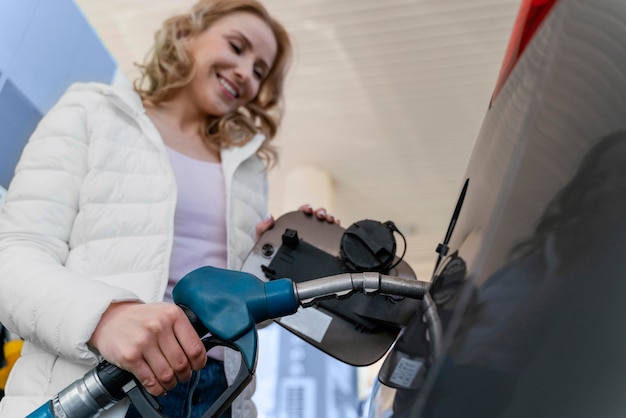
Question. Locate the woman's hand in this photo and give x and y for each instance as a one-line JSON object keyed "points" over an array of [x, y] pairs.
{"points": [[320, 213], [153, 341]]}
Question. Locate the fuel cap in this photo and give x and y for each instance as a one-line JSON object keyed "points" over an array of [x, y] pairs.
{"points": [[368, 245]]}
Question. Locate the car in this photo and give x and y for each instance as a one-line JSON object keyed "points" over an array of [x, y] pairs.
{"points": [[530, 276]]}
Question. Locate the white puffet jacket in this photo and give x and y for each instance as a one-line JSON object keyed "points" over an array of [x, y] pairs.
{"points": [[88, 221]]}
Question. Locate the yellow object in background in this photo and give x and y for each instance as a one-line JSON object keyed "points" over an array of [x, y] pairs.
{"points": [[12, 351]]}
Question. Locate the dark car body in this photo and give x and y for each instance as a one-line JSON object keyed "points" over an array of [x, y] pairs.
{"points": [[535, 327]]}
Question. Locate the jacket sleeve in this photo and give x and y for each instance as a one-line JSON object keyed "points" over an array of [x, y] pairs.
{"points": [[41, 300]]}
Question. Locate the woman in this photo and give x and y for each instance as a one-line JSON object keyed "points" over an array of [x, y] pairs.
{"points": [[119, 193]]}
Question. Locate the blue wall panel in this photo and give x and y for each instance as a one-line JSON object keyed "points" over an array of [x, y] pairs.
{"points": [[15, 17], [91, 61], [45, 45], [18, 117], [54, 52]]}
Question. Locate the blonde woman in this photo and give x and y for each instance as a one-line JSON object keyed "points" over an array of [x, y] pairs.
{"points": [[121, 192]]}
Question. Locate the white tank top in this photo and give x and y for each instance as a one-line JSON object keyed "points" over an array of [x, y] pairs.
{"points": [[200, 218]]}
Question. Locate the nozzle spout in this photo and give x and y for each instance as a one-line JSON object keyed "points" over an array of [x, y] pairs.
{"points": [[343, 285]]}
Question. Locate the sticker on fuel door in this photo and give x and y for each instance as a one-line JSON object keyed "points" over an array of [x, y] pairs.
{"points": [[405, 372], [309, 322]]}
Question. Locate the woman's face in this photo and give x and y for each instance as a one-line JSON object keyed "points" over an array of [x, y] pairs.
{"points": [[232, 58]]}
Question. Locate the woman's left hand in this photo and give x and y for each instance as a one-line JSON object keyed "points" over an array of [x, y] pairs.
{"points": [[320, 213]]}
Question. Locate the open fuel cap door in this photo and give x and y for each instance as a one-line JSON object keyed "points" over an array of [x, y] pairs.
{"points": [[300, 247]]}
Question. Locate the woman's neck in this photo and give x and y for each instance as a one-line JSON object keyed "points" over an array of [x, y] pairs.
{"points": [[178, 114], [181, 130]]}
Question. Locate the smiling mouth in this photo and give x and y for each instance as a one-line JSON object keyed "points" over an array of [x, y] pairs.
{"points": [[228, 87]]}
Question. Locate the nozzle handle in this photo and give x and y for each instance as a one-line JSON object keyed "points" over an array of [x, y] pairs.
{"points": [[230, 303]]}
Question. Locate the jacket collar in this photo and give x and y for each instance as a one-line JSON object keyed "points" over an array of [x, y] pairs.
{"points": [[233, 156], [127, 100], [123, 97]]}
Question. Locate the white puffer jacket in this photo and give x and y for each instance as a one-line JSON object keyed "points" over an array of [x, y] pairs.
{"points": [[88, 221]]}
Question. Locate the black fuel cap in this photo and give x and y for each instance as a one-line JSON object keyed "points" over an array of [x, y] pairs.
{"points": [[368, 245]]}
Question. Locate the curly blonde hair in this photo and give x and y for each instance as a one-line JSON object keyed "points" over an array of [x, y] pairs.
{"points": [[168, 67]]}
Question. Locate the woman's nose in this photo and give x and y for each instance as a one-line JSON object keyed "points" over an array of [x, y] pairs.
{"points": [[243, 72]]}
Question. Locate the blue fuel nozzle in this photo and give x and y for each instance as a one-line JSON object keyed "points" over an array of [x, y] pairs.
{"points": [[230, 303]]}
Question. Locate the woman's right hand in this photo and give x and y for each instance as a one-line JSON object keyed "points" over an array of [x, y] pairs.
{"points": [[153, 341]]}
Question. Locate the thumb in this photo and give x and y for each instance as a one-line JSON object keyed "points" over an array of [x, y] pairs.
{"points": [[264, 225]]}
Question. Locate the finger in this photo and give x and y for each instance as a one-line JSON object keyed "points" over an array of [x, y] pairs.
{"points": [[182, 347], [162, 351], [306, 208], [263, 226], [320, 213], [160, 367], [145, 376], [190, 344], [176, 357], [324, 216]]}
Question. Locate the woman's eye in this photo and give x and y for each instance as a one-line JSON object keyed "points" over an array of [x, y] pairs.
{"points": [[235, 48], [258, 74]]}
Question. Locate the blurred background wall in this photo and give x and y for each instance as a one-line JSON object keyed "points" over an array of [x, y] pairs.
{"points": [[45, 45]]}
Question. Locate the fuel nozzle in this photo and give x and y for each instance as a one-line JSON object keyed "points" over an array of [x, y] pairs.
{"points": [[230, 303]]}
